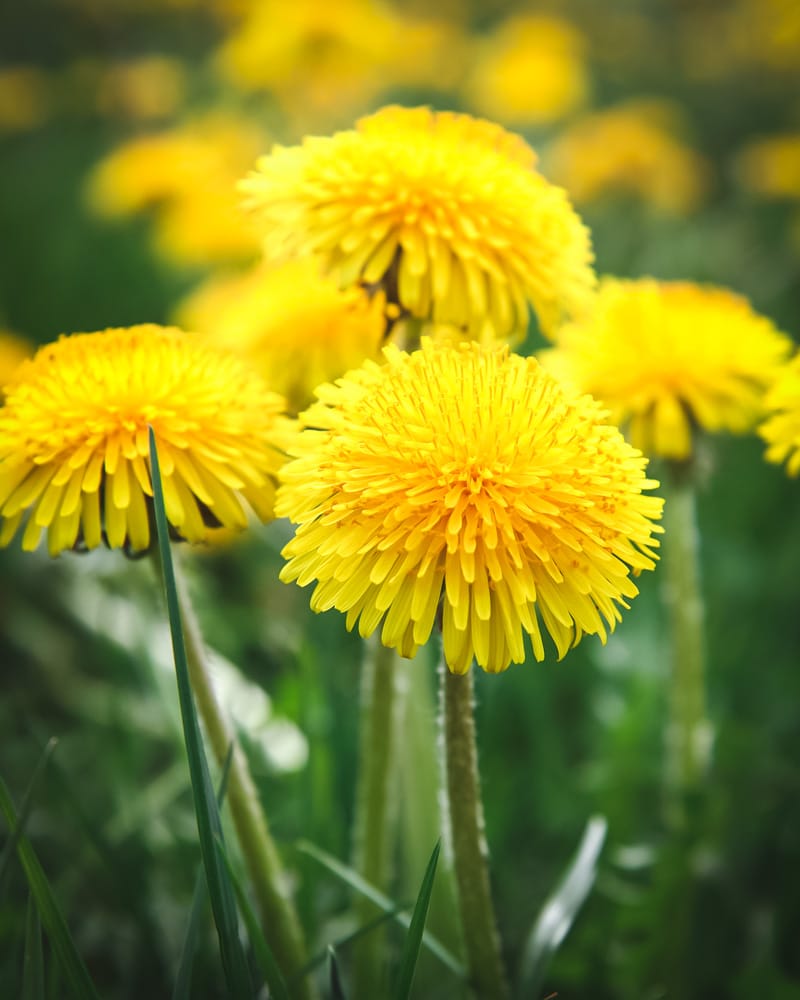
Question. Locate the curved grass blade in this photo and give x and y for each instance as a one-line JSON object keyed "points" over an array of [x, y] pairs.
{"points": [[25, 810], [339, 944], [337, 990], [273, 977], [77, 978], [355, 881], [209, 826], [413, 942], [33, 964], [183, 979], [561, 908]]}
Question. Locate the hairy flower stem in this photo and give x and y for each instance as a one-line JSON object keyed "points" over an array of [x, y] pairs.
{"points": [[381, 704], [470, 853], [281, 925], [689, 731]]}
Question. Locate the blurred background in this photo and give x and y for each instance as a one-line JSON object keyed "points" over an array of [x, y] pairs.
{"points": [[675, 126]]}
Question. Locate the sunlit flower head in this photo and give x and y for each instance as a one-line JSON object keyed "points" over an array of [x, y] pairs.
{"points": [[771, 166], [295, 326], [324, 61], [632, 149], [13, 351], [530, 71], [445, 212], [462, 482], [670, 358], [187, 176], [781, 430], [74, 454]]}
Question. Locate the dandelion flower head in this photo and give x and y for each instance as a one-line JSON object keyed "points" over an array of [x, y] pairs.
{"points": [[668, 358], [445, 212], [781, 430], [296, 326], [74, 451], [463, 482]]}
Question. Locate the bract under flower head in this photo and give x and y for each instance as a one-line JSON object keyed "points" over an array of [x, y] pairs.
{"points": [[463, 481], [781, 430], [74, 451], [446, 212], [667, 358]]}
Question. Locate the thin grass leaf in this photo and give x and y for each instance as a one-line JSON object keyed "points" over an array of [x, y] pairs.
{"points": [[562, 907], [209, 827], [77, 978], [273, 977], [33, 962], [355, 881], [335, 978], [183, 979], [24, 811], [413, 942], [343, 942]]}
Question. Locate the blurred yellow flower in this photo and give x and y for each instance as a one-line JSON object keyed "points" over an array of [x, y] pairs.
{"points": [[150, 87], [771, 166], [443, 211], [781, 430], [74, 454], [296, 327], [25, 98], [188, 175], [328, 61], [630, 149], [529, 71], [13, 351], [461, 483], [669, 358]]}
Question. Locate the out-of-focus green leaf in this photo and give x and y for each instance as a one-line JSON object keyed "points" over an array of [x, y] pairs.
{"points": [[33, 968]]}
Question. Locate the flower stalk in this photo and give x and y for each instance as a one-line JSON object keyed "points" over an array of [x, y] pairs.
{"points": [[689, 731], [280, 921], [470, 852], [381, 705]]}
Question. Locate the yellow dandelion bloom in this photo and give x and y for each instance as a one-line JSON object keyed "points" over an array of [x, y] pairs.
{"points": [[13, 351], [631, 149], [295, 326], [462, 482], [669, 358], [445, 212], [530, 71], [771, 166], [781, 430], [187, 176], [74, 455]]}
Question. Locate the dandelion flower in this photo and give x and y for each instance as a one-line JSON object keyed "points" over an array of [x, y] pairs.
{"points": [[443, 211], [781, 430], [74, 455], [531, 70], [463, 482], [670, 358], [295, 326]]}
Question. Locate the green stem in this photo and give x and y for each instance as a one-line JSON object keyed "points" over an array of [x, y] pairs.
{"points": [[689, 731], [470, 853], [380, 708], [281, 925]]}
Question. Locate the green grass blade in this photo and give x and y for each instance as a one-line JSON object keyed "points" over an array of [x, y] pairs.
{"points": [[339, 944], [77, 978], [266, 960], [33, 966], [209, 827], [562, 907], [355, 881], [24, 811], [183, 978], [413, 942], [335, 978]]}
